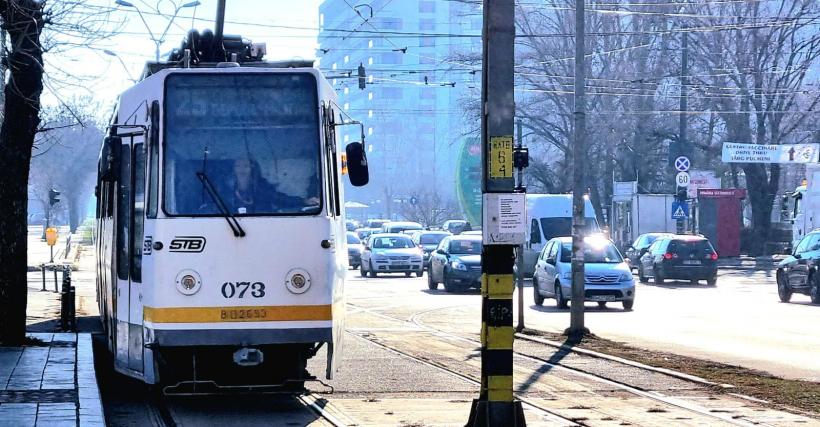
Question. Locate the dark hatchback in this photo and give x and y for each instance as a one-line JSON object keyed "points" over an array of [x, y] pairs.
{"points": [[680, 257], [798, 274], [635, 251], [428, 241], [456, 263]]}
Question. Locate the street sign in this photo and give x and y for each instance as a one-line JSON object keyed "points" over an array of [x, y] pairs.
{"points": [[783, 153], [682, 179], [682, 164], [680, 210], [414, 201], [51, 236]]}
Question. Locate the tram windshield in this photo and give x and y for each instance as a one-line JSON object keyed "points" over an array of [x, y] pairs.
{"points": [[254, 136]]}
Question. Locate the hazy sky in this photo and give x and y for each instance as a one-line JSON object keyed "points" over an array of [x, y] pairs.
{"points": [[108, 76]]}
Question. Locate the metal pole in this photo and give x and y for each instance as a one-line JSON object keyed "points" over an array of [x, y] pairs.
{"points": [[520, 253], [684, 71], [496, 405], [43, 269], [576, 324]]}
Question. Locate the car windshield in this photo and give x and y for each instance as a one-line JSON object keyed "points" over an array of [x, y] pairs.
{"points": [[465, 247], [562, 226], [352, 239], [431, 239], [254, 136], [392, 242], [685, 248], [594, 254]]}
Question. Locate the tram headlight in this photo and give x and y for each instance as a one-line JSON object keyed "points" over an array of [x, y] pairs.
{"points": [[188, 282], [297, 281]]}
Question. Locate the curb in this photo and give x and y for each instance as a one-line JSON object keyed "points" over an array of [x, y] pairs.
{"points": [[90, 403], [591, 353]]}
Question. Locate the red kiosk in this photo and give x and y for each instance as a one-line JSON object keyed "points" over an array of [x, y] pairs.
{"points": [[720, 218]]}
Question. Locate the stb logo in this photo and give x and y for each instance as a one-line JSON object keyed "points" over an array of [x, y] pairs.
{"points": [[187, 244]]}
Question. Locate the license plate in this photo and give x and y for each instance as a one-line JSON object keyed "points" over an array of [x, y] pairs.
{"points": [[400, 266], [691, 262], [602, 298], [243, 315]]}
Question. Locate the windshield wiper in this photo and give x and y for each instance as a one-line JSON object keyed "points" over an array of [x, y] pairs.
{"points": [[232, 221]]}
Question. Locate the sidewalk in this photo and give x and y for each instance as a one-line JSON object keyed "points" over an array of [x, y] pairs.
{"points": [[51, 381], [765, 262]]}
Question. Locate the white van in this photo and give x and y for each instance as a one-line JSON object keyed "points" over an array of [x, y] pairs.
{"points": [[550, 216]]}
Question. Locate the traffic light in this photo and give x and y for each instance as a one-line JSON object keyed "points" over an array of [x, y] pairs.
{"points": [[362, 77], [53, 198]]}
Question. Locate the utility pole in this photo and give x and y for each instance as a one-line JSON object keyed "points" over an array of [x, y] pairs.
{"points": [[520, 258], [680, 192], [501, 213], [576, 322]]}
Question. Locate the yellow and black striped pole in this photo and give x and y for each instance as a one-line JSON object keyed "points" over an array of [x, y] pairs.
{"points": [[496, 405]]}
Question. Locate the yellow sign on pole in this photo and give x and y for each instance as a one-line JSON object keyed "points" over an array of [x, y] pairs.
{"points": [[501, 157], [51, 236]]}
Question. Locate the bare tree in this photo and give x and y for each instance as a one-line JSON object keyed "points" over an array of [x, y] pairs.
{"points": [[25, 22], [430, 209], [756, 69]]}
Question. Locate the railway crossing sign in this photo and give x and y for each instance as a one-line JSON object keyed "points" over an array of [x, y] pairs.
{"points": [[682, 163], [680, 210], [682, 179]]}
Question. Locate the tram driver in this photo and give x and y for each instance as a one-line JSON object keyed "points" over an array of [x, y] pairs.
{"points": [[248, 192]]}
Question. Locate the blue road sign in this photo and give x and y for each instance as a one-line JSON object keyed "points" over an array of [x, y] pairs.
{"points": [[680, 210], [414, 201], [682, 164]]}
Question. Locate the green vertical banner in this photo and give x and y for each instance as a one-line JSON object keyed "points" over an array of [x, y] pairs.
{"points": [[468, 180]]}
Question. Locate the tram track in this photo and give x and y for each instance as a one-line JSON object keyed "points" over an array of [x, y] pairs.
{"points": [[527, 402], [162, 414], [415, 319]]}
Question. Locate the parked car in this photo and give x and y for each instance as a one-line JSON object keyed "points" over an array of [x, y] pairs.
{"points": [[352, 225], [608, 278], [428, 241], [456, 263], [354, 250], [376, 223], [391, 253], [639, 247], [364, 233], [400, 226], [798, 272], [456, 226], [680, 257]]}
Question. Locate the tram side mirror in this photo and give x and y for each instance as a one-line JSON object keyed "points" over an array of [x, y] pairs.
{"points": [[110, 158], [357, 164]]}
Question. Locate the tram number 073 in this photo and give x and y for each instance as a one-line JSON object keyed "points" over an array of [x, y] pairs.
{"points": [[239, 289]]}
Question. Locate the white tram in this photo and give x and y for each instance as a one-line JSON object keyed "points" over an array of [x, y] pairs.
{"points": [[220, 222]]}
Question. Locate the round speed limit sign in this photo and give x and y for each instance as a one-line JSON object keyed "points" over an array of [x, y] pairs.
{"points": [[682, 178]]}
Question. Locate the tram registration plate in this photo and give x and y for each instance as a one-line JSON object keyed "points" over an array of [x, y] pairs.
{"points": [[243, 315]]}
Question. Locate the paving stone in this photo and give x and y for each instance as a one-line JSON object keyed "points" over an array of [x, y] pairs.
{"points": [[18, 414]]}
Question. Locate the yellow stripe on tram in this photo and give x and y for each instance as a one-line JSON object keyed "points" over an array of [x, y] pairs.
{"points": [[273, 313]]}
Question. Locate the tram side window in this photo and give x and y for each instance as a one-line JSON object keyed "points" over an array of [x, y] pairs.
{"points": [[153, 162], [138, 213], [124, 213]]}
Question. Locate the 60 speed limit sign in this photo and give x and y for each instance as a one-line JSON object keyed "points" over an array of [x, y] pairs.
{"points": [[682, 178]]}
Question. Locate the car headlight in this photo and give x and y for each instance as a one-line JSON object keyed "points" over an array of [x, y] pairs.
{"points": [[625, 277], [566, 275], [379, 257], [458, 266]]}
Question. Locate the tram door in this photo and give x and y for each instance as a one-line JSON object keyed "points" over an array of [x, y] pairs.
{"points": [[129, 226]]}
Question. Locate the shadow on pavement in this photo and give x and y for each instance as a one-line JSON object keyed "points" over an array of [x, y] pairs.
{"points": [[556, 358]]}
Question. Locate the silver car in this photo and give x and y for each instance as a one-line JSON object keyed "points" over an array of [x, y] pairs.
{"points": [[391, 253], [608, 278]]}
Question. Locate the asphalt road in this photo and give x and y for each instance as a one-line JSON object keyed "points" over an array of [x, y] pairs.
{"points": [[740, 321]]}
